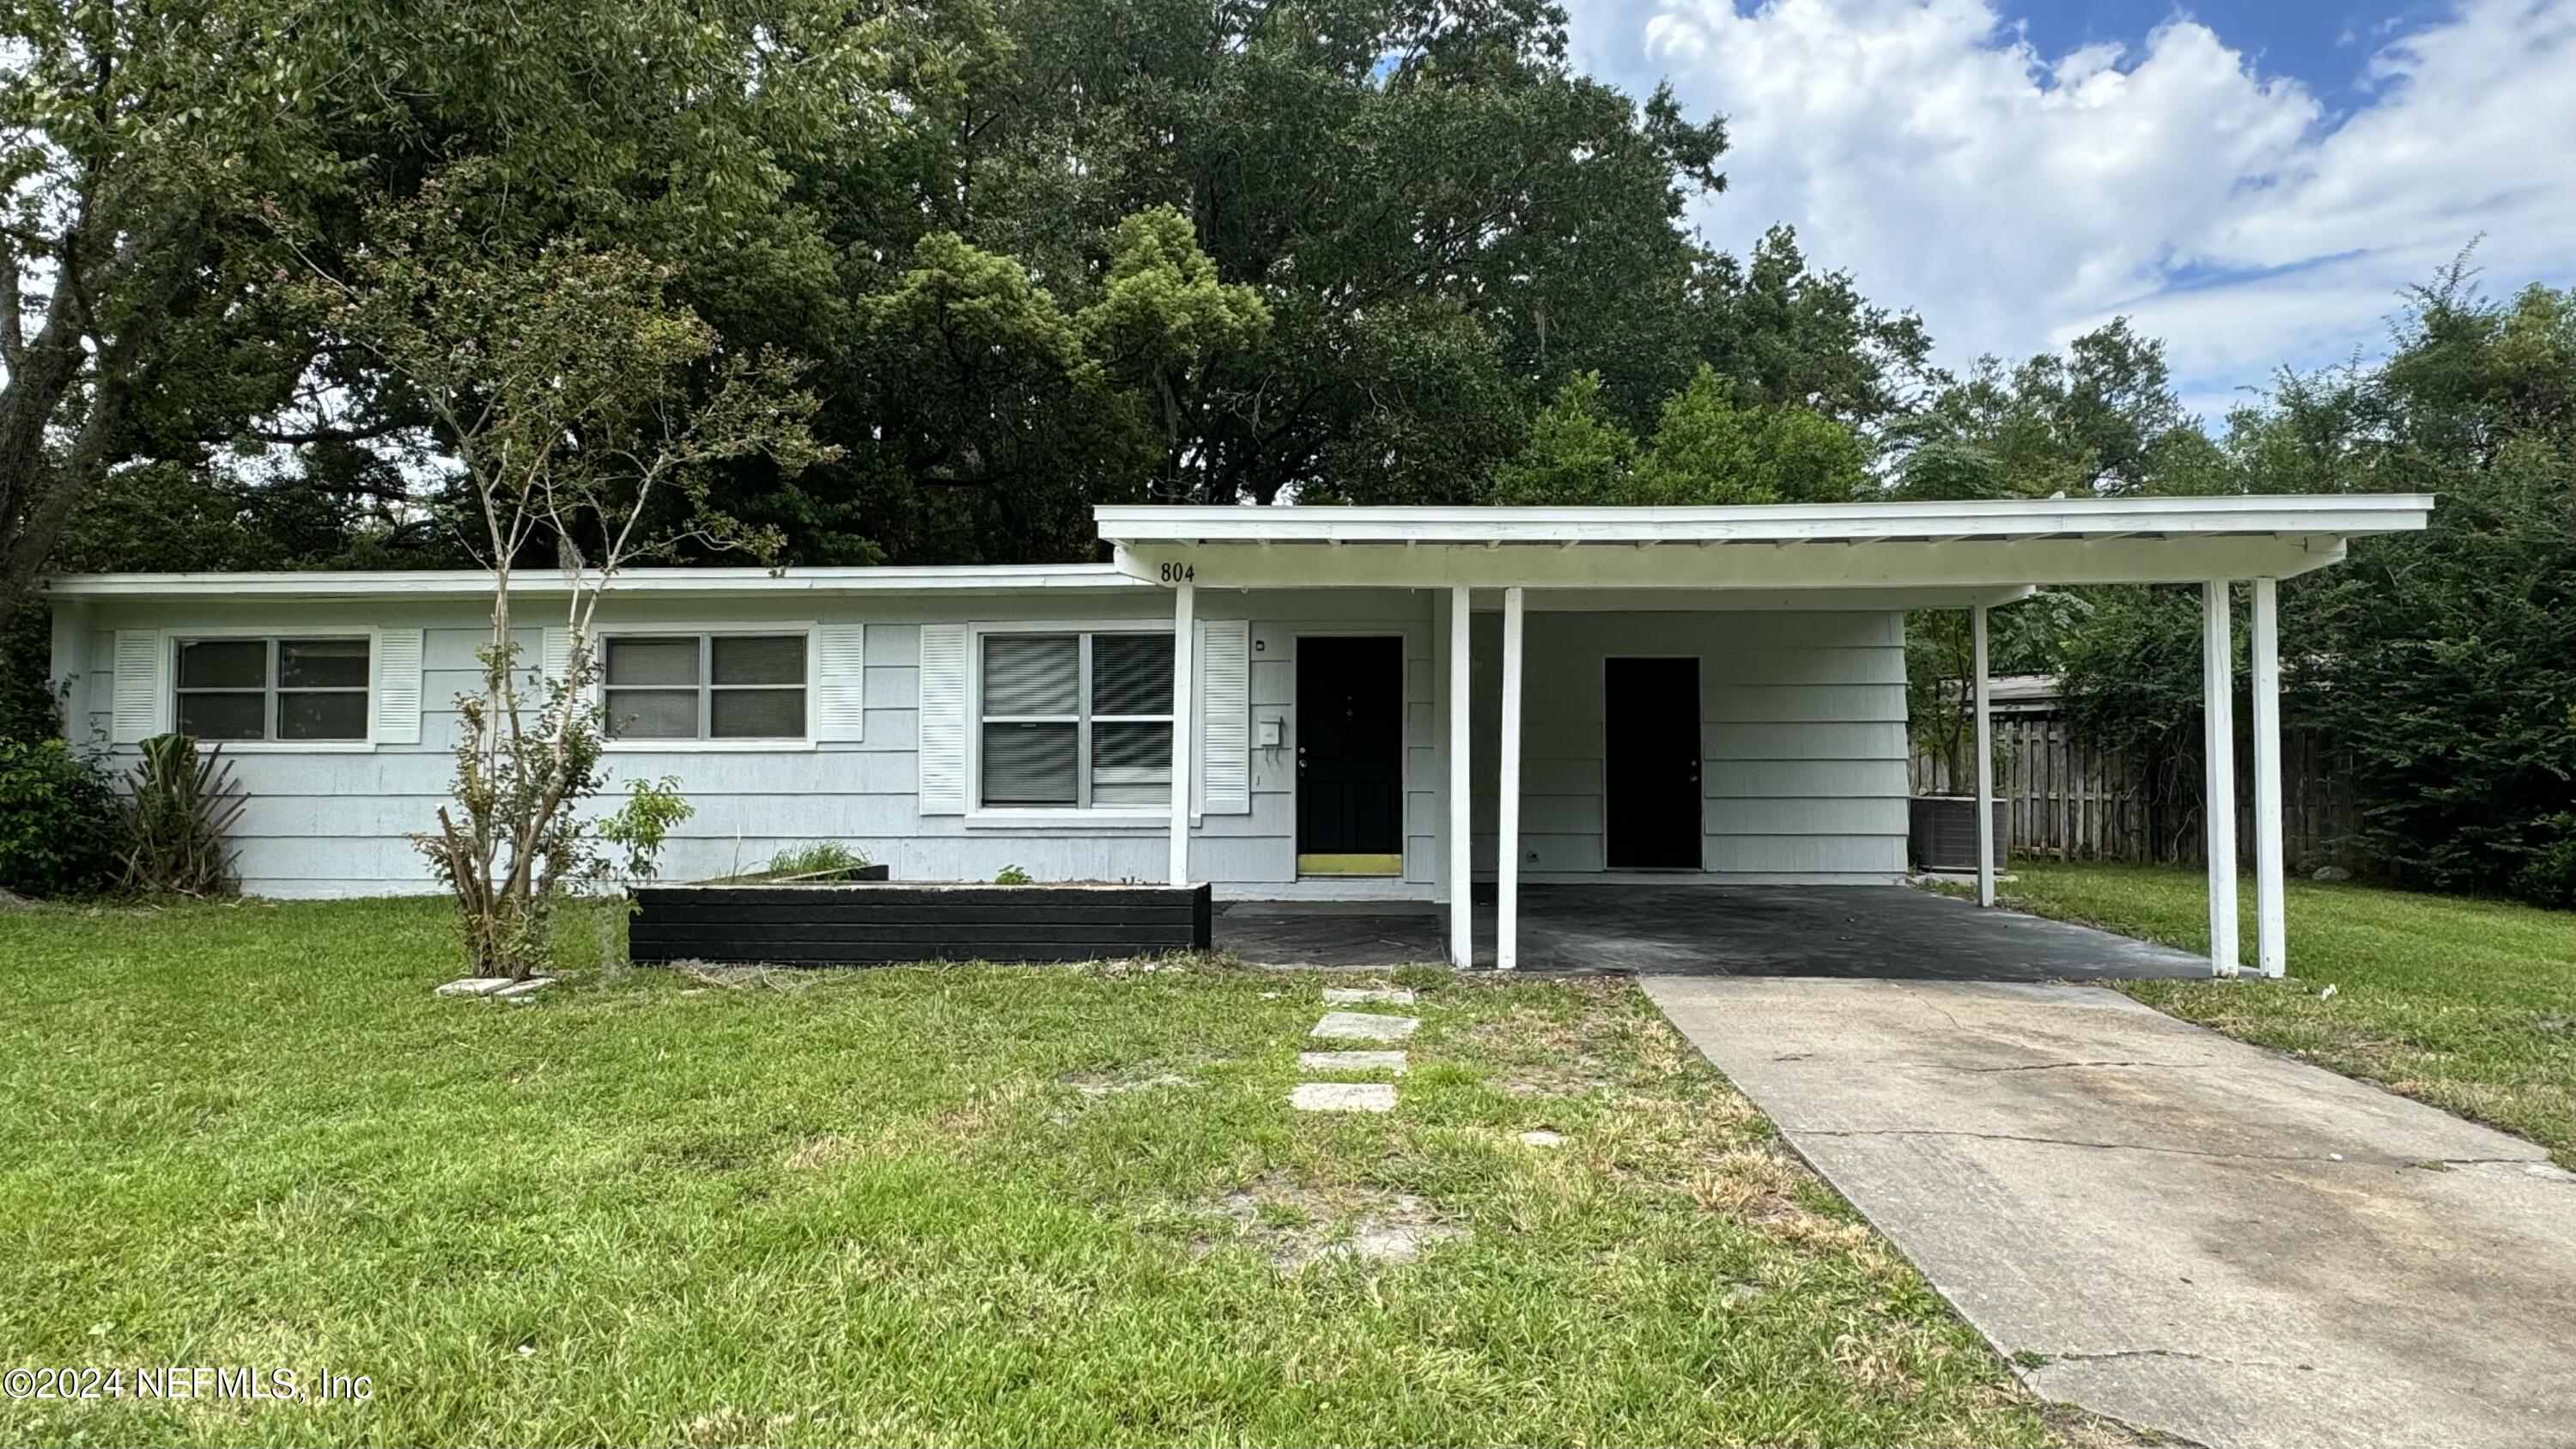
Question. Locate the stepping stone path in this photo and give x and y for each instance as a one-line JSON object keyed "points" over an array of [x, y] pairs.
{"points": [[1355, 1026], [1343, 1097], [1390, 1062], [1363, 1026], [1356, 995]]}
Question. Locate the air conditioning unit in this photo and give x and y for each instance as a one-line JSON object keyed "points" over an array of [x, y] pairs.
{"points": [[1942, 832]]}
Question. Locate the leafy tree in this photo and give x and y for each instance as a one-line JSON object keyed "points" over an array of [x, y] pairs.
{"points": [[582, 404], [155, 175], [1705, 450], [1577, 453], [2100, 419], [1441, 221], [2438, 663], [135, 144]]}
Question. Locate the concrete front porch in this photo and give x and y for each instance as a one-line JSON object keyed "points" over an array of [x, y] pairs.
{"points": [[1703, 930]]}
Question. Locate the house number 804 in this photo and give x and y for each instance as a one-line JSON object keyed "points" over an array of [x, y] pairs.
{"points": [[1180, 573]]}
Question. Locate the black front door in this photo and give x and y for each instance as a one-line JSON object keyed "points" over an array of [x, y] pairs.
{"points": [[1350, 756], [1650, 728]]}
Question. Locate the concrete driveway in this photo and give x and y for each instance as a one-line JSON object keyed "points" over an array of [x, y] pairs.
{"points": [[2168, 1226]]}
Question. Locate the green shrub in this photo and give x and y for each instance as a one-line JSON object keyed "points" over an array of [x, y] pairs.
{"points": [[1011, 875], [815, 859], [59, 832], [179, 810]]}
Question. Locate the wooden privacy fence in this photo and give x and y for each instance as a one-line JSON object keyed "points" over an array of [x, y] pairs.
{"points": [[2069, 800]]}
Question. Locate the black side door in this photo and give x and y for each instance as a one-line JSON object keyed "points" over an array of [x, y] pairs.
{"points": [[1350, 755], [1650, 776]]}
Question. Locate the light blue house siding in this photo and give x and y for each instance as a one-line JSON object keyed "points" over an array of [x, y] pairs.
{"points": [[1802, 726]]}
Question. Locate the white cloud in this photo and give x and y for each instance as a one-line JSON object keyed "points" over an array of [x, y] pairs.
{"points": [[2016, 198]]}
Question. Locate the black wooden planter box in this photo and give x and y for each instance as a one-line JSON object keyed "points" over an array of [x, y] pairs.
{"points": [[861, 923]]}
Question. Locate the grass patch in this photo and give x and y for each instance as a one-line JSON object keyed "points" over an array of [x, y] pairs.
{"points": [[2469, 1005], [933, 1204]]}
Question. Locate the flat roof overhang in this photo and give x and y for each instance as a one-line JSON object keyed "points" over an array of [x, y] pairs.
{"points": [[475, 585], [1870, 553]]}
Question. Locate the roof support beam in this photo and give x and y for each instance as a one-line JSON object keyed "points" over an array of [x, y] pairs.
{"points": [[2218, 759], [1917, 564]]}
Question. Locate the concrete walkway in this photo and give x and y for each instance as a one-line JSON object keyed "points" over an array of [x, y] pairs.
{"points": [[2191, 1234]]}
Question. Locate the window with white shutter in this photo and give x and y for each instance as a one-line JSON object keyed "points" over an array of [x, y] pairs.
{"points": [[1075, 721]]}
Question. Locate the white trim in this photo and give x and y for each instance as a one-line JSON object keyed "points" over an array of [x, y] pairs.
{"points": [[475, 585], [1840, 568], [2008, 518], [168, 717], [1151, 818], [602, 633], [976, 632]]}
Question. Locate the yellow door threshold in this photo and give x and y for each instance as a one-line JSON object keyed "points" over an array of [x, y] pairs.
{"points": [[1350, 864]]}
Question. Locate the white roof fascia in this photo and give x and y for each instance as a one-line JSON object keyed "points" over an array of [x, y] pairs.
{"points": [[1980, 519], [442, 584]]}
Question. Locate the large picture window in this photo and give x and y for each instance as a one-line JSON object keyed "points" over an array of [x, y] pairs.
{"points": [[705, 686], [1077, 720], [272, 689]]}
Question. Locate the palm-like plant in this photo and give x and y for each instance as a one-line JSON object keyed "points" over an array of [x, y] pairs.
{"points": [[179, 808]]}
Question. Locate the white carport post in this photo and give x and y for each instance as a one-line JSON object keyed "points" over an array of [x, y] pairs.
{"points": [[1985, 761], [2218, 786], [1462, 848], [2271, 929], [1507, 808], [1184, 611]]}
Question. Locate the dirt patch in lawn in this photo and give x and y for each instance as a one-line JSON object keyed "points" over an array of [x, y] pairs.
{"points": [[1602, 1044], [1295, 1225]]}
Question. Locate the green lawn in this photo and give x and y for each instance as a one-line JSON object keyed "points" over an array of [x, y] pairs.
{"points": [[2469, 1005], [952, 1205]]}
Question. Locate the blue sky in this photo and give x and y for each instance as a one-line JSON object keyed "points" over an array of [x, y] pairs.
{"points": [[2256, 181]]}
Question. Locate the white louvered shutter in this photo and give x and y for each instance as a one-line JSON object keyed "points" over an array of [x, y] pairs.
{"points": [[554, 653], [841, 683], [943, 719], [398, 686], [140, 687], [1225, 717]]}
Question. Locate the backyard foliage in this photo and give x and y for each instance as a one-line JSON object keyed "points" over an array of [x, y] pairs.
{"points": [[59, 828], [1706, 448], [2442, 665]]}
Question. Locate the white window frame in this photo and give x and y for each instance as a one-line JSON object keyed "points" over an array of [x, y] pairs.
{"points": [[172, 640], [1026, 817], [778, 744]]}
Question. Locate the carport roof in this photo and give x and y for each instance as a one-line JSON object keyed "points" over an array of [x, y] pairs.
{"points": [[1908, 545]]}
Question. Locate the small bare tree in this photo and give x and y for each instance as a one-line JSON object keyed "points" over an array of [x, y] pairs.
{"points": [[586, 409]]}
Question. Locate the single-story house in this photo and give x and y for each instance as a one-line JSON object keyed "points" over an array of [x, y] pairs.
{"points": [[1364, 703]]}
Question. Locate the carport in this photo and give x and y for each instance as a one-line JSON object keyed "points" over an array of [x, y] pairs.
{"points": [[1640, 575], [1704, 930]]}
